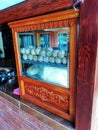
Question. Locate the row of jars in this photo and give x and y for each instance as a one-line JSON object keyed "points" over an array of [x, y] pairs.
{"points": [[45, 59], [39, 51]]}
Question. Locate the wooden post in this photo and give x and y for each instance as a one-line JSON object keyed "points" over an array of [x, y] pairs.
{"points": [[87, 84]]}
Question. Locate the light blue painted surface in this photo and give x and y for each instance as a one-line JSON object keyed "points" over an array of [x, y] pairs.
{"points": [[8, 3]]}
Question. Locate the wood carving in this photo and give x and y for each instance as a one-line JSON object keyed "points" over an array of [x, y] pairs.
{"points": [[45, 95], [56, 99], [52, 24]]}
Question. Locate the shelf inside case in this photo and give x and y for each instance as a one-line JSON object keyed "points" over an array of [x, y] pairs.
{"points": [[45, 72], [44, 63], [43, 52], [46, 50]]}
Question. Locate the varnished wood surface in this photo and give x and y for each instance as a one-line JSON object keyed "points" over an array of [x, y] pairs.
{"points": [[86, 87], [65, 18], [87, 59], [33, 8], [63, 103]]}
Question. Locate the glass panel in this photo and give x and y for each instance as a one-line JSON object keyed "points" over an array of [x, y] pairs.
{"points": [[45, 55], [44, 40], [26, 39], [2, 54], [63, 39]]}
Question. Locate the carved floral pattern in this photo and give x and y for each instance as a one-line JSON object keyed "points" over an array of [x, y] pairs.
{"points": [[45, 95], [60, 23]]}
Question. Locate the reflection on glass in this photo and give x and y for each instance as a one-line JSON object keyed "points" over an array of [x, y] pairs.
{"points": [[44, 40], [40, 57], [63, 41], [26, 39], [45, 73]]}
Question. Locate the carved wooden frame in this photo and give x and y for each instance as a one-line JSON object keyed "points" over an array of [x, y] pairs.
{"points": [[56, 99]]}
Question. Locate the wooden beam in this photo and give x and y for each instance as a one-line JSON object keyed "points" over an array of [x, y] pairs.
{"points": [[33, 8], [87, 59]]}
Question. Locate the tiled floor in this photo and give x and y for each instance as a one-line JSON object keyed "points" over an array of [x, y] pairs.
{"points": [[12, 118], [17, 114]]}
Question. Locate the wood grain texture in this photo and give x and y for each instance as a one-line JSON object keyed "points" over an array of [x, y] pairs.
{"points": [[58, 19], [88, 44], [30, 87], [33, 8]]}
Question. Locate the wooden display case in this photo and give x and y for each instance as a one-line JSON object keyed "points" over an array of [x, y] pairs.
{"points": [[46, 51]]}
